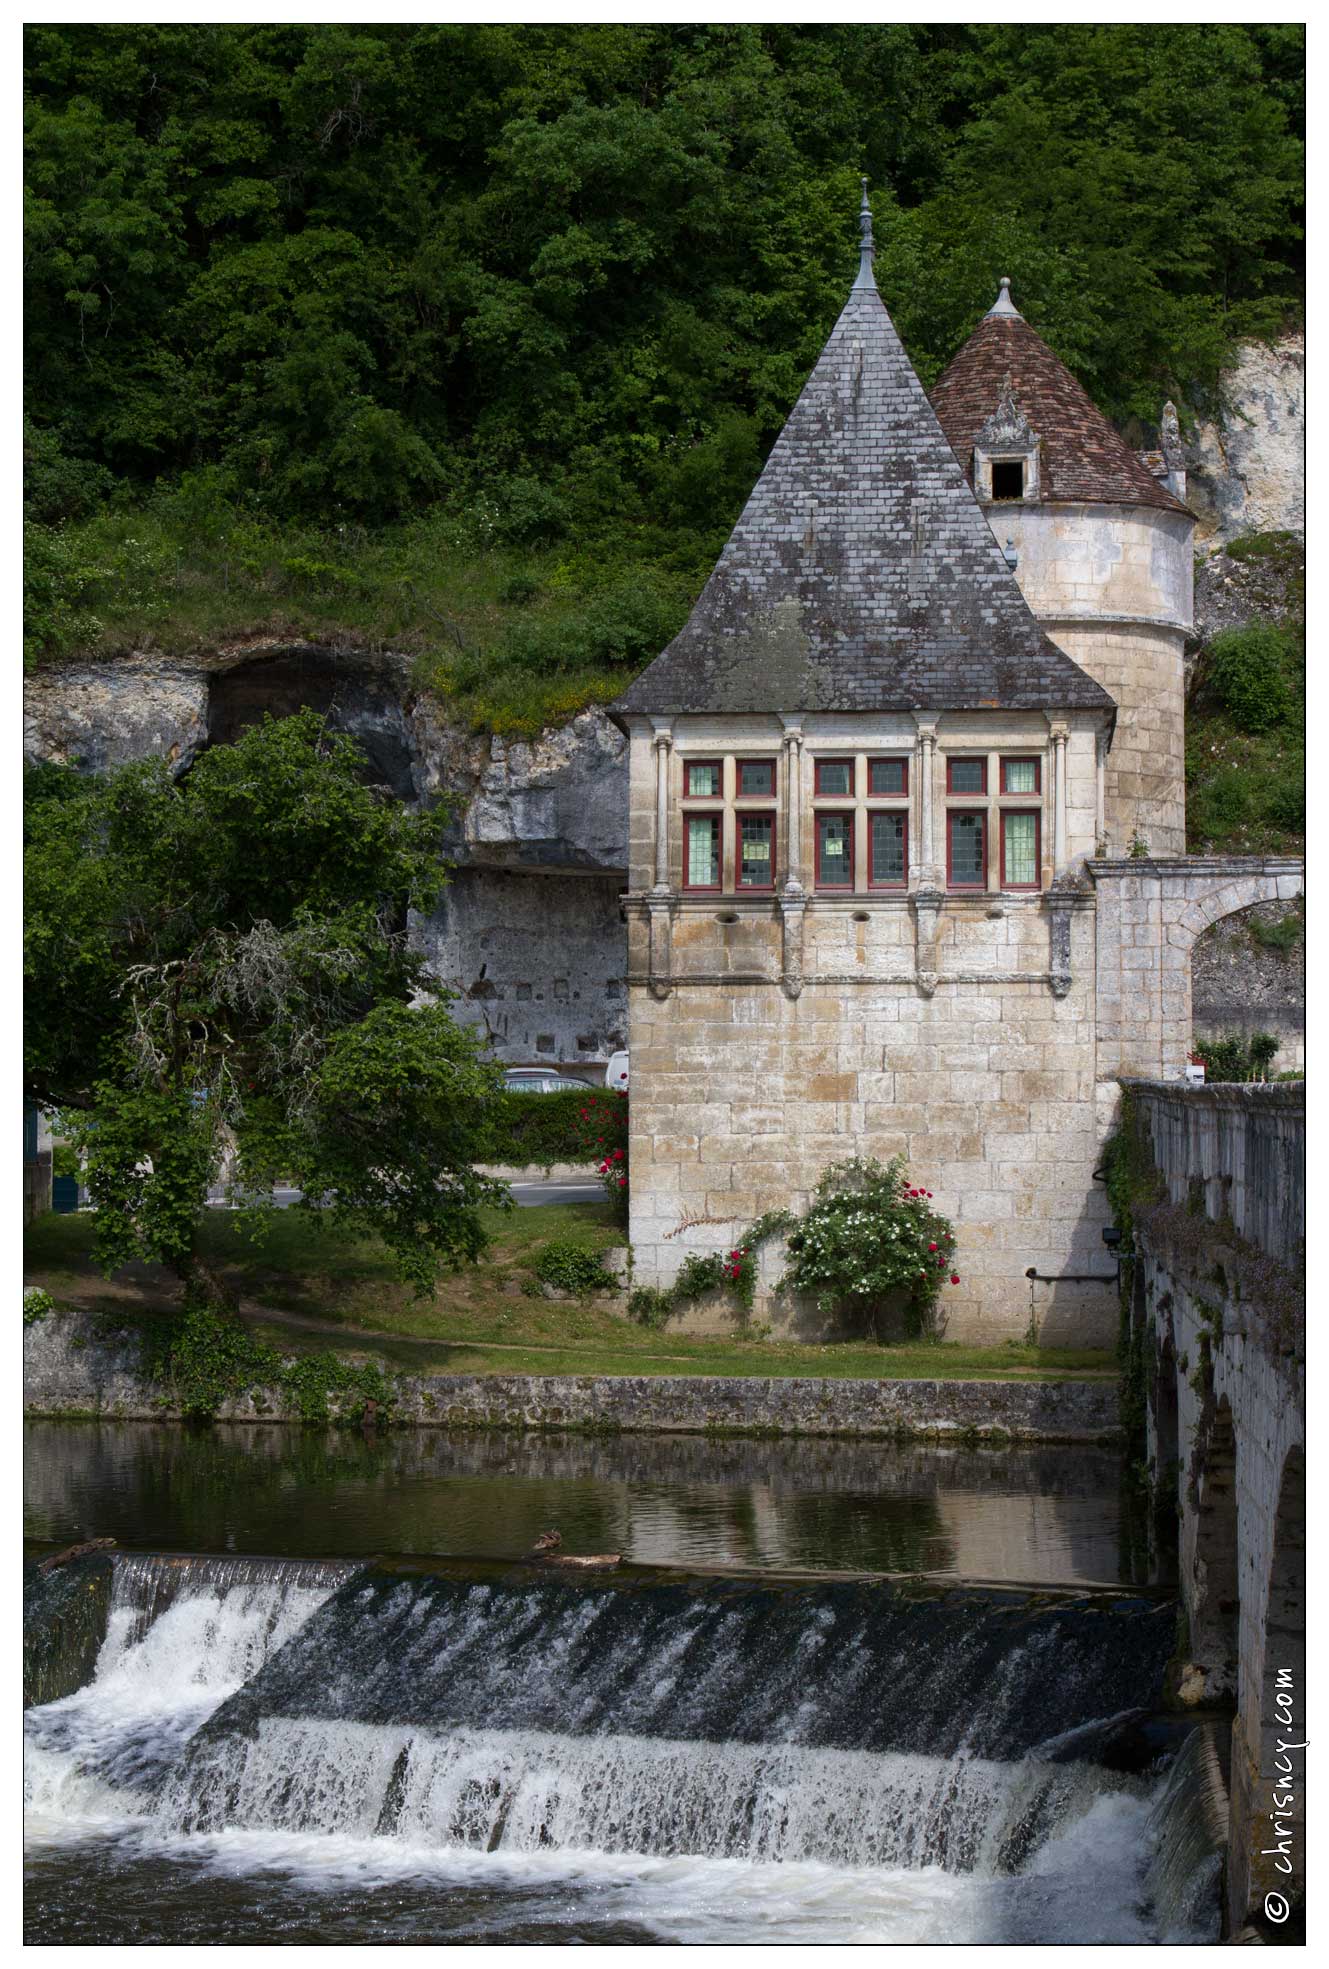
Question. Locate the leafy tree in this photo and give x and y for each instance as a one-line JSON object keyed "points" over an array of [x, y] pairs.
{"points": [[221, 966]]}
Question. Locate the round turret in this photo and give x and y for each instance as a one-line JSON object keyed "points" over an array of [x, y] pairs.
{"points": [[1101, 545]]}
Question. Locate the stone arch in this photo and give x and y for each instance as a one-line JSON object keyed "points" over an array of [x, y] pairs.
{"points": [[1206, 900], [1216, 1608]]}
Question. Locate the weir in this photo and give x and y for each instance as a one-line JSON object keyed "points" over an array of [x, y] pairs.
{"points": [[937, 1761]]}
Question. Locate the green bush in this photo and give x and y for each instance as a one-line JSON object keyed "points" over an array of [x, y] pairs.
{"points": [[537, 1130], [571, 1267], [1236, 1058], [37, 1303], [1250, 672], [1285, 801], [1280, 935], [869, 1236]]}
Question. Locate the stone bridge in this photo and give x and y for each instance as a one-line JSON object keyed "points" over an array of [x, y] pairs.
{"points": [[1218, 1318]]}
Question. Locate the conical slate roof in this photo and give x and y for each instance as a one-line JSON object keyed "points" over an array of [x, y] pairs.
{"points": [[1081, 456], [862, 575]]}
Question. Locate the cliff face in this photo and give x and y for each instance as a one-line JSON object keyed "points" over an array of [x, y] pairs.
{"points": [[1246, 468], [528, 934]]}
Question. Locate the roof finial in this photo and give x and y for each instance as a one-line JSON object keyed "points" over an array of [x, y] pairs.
{"points": [[1003, 303], [866, 248]]}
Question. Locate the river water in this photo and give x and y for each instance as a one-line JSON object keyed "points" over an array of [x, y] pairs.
{"points": [[298, 1749]]}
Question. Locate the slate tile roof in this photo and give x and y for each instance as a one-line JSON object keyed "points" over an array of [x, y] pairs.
{"points": [[1081, 457], [862, 575]]}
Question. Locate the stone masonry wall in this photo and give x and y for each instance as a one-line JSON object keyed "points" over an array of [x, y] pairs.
{"points": [[72, 1367], [537, 961], [742, 1096], [1228, 1404]]}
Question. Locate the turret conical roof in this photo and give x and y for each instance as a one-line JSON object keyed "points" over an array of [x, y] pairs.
{"points": [[1081, 457], [862, 574]]}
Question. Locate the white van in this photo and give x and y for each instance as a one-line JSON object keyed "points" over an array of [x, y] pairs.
{"points": [[616, 1073]]}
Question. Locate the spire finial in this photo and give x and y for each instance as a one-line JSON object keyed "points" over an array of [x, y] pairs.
{"points": [[1003, 303], [866, 249]]}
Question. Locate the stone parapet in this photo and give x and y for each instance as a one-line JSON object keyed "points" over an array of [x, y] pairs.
{"points": [[1246, 1147]]}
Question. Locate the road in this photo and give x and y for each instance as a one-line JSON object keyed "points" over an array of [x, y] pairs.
{"points": [[528, 1195]]}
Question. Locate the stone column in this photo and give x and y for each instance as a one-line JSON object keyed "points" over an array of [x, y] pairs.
{"points": [[663, 743], [1059, 736], [793, 813], [927, 855], [1100, 820]]}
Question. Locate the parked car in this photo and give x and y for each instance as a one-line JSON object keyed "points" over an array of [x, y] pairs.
{"points": [[541, 1080], [616, 1073]]}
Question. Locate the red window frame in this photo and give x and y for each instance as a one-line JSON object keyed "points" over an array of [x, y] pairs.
{"points": [[753, 813], [889, 759], [717, 818], [841, 759], [1021, 813], [893, 882], [836, 888], [1023, 759], [978, 759], [739, 764], [688, 793], [965, 813]]}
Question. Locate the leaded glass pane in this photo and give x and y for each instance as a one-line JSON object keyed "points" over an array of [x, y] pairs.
{"points": [[1021, 849], [1021, 776], [966, 776], [886, 776], [704, 781], [888, 847], [703, 852], [756, 778], [755, 834], [833, 834], [967, 850], [835, 778]]}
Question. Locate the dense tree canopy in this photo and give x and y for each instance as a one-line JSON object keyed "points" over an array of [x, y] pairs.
{"points": [[350, 271], [219, 966]]}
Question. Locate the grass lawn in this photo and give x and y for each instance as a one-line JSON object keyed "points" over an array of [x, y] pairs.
{"points": [[332, 1288]]}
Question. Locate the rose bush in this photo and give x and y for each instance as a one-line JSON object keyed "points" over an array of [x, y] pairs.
{"points": [[869, 1237]]}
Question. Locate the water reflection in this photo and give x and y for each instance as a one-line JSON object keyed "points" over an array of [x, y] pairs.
{"points": [[1052, 1514]]}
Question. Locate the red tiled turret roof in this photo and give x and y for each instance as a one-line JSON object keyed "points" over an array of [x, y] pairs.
{"points": [[1081, 456]]}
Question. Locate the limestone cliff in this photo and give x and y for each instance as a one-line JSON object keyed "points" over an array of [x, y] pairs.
{"points": [[1246, 470]]}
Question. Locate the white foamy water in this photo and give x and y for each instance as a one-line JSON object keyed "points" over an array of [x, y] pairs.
{"points": [[684, 1841]]}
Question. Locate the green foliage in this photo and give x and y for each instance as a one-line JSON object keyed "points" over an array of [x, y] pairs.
{"points": [[571, 1267], [653, 1306], [605, 1135], [1237, 1058], [37, 1303], [1251, 671], [575, 275], [220, 964], [307, 1382], [530, 1130], [868, 1238], [206, 1357]]}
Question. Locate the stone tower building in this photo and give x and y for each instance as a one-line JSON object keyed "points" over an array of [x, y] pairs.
{"points": [[867, 909], [1101, 543]]}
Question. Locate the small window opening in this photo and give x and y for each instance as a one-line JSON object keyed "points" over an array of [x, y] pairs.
{"points": [[1008, 479]]}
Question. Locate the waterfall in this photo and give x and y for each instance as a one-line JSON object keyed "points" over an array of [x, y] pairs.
{"points": [[679, 1740], [1190, 1824]]}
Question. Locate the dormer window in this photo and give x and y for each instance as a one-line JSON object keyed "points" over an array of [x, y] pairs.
{"points": [[1006, 453]]}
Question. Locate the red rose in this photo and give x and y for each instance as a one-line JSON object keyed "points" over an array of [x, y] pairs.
{"points": [[955, 1278], [932, 1247]]}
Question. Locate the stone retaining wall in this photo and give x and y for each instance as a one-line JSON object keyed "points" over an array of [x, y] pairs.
{"points": [[1245, 1144], [68, 1369]]}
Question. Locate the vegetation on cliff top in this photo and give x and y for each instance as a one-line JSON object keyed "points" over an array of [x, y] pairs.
{"points": [[473, 338]]}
